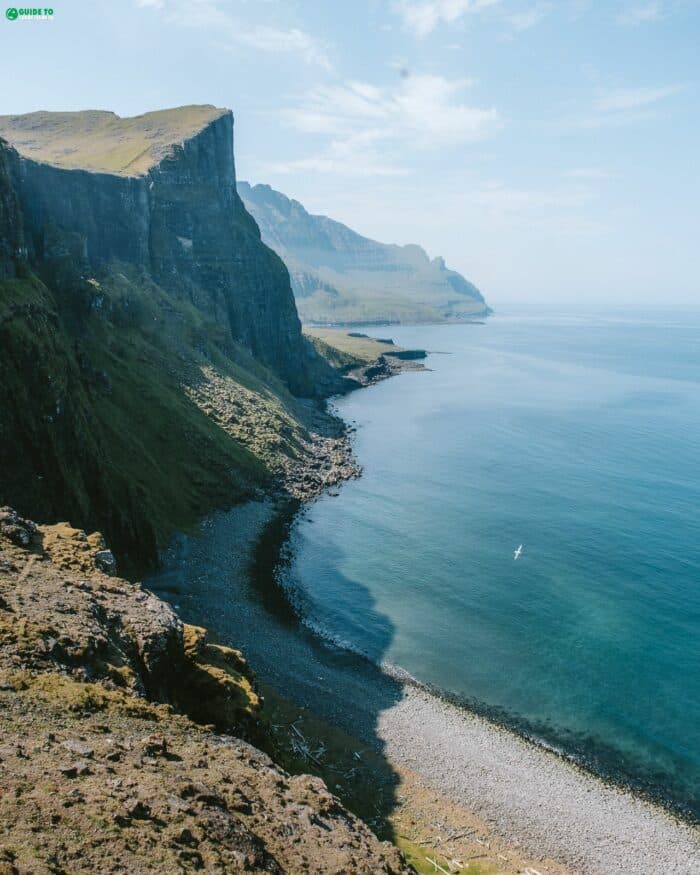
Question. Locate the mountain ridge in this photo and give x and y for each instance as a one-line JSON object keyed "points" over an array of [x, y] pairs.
{"points": [[342, 277]]}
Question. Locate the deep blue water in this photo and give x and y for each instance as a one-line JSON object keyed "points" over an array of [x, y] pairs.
{"points": [[578, 437]]}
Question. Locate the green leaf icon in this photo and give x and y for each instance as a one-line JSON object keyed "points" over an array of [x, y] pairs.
{"points": [[12, 14]]}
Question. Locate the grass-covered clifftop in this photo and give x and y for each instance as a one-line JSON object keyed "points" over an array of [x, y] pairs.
{"points": [[362, 359], [102, 141]]}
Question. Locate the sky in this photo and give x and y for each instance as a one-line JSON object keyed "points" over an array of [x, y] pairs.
{"points": [[550, 151]]}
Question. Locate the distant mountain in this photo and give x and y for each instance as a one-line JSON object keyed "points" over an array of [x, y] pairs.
{"points": [[339, 276]]}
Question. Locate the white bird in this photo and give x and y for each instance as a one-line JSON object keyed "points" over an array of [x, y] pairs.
{"points": [[518, 552]]}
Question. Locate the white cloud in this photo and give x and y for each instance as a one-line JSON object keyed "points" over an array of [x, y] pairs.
{"points": [[421, 17], [423, 111], [623, 99], [527, 18], [373, 130], [230, 30], [295, 41], [342, 159], [641, 13], [622, 106], [506, 200]]}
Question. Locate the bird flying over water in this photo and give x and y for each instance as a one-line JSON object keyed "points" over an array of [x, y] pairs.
{"points": [[518, 552]]}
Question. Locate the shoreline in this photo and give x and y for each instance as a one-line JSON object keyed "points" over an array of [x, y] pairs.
{"points": [[532, 797], [529, 799], [501, 720], [517, 788]]}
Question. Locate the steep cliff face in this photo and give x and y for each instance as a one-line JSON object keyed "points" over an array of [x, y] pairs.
{"points": [[179, 218], [120, 296], [341, 276], [12, 248]]}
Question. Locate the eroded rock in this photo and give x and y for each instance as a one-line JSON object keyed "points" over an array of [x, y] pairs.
{"points": [[168, 793]]}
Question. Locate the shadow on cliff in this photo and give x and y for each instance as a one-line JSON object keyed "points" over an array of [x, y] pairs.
{"points": [[332, 696]]}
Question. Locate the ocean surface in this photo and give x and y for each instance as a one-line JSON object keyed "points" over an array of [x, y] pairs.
{"points": [[579, 438]]}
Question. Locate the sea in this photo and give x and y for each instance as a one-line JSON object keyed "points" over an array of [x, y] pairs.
{"points": [[576, 436]]}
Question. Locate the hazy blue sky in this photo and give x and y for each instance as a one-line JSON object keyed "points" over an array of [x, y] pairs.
{"points": [[549, 150]]}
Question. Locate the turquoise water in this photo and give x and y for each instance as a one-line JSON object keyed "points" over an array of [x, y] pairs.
{"points": [[578, 437]]}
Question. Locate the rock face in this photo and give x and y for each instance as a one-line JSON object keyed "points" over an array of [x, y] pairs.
{"points": [[12, 249], [339, 276], [107, 764], [177, 217]]}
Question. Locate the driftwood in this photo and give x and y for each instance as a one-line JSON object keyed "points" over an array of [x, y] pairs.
{"points": [[452, 862], [458, 835], [438, 867], [294, 729], [303, 749]]}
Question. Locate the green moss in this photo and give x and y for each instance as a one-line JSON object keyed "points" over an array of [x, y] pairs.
{"points": [[78, 697], [217, 687]]}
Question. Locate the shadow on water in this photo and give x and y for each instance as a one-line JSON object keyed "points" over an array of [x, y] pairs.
{"points": [[227, 579], [342, 693], [343, 688]]}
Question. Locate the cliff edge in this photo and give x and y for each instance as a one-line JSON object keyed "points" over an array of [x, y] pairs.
{"points": [[102, 141]]}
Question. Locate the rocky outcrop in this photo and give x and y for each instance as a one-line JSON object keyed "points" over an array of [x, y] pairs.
{"points": [[339, 276], [107, 762], [62, 612]]}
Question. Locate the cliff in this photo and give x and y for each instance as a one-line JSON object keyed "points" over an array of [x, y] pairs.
{"points": [[339, 276], [118, 734], [130, 292], [169, 208]]}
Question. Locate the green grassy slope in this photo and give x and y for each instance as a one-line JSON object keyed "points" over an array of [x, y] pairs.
{"points": [[102, 421]]}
